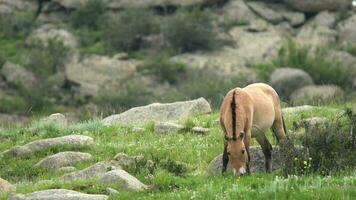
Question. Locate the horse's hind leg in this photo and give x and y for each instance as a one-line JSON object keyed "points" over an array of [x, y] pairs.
{"points": [[278, 127], [267, 150]]}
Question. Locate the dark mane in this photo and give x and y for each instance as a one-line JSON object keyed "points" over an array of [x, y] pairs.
{"points": [[233, 115]]}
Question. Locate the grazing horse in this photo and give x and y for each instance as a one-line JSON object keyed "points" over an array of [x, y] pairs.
{"points": [[245, 113]]}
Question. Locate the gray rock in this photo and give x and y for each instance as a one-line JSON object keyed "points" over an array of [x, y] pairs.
{"points": [[67, 169], [112, 191], [133, 162], [307, 108], [257, 162], [41, 145], [318, 31], [95, 171], [313, 123], [5, 186], [17, 6], [71, 4], [47, 32], [138, 130], [63, 159], [16, 74], [263, 10], [317, 94], [122, 4], [123, 179], [286, 80], [160, 112], [99, 72], [236, 11], [347, 32], [348, 62], [200, 130], [167, 127], [57, 194], [56, 118], [319, 5]]}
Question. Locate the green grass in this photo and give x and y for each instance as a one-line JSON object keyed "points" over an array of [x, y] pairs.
{"points": [[194, 150]]}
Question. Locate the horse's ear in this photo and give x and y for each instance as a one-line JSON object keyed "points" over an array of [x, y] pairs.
{"points": [[242, 135]]}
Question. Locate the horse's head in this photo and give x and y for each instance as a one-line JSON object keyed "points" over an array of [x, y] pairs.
{"points": [[237, 154]]}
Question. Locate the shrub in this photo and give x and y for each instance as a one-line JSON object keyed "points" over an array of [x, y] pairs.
{"points": [[322, 70], [12, 104], [18, 25], [89, 15], [332, 148], [191, 30], [163, 180], [163, 68], [47, 60], [126, 30]]}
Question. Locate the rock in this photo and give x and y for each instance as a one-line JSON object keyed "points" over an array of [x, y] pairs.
{"points": [[276, 13], [347, 61], [313, 123], [318, 31], [67, 169], [236, 11], [308, 108], [57, 119], [16, 74], [94, 72], [138, 130], [112, 191], [11, 119], [257, 162], [57, 194], [200, 130], [41, 145], [48, 32], [160, 112], [319, 5], [347, 32], [317, 94], [52, 13], [5, 186], [122, 4], [123, 179], [167, 127], [258, 25], [63, 159], [95, 171], [286, 80], [17, 6], [71, 4], [133, 162]]}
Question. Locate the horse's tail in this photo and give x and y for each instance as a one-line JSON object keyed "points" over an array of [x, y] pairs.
{"points": [[284, 125]]}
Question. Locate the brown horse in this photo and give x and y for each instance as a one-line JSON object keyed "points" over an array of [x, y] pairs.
{"points": [[245, 113]]}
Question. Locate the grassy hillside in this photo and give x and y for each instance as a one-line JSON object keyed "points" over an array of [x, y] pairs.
{"points": [[169, 181]]}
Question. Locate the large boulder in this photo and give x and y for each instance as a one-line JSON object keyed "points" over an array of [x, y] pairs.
{"points": [[18, 6], [123, 179], [57, 118], [48, 32], [5, 186], [276, 13], [319, 5], [57, 194], [257, 162], [307, 108], [16, 74], [94, 73], [94, 171], [161, 112], [43, 144], [347, 32], [286, 80], [63, 159], [347, 61], [133, 162], [319, 30], [236, 11], [316, 94], [167, 127]]}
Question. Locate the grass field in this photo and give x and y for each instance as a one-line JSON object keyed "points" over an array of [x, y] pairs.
{"points": [[194, 150]]}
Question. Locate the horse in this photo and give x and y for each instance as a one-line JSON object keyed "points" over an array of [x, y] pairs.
{"points": [[247, 113]]}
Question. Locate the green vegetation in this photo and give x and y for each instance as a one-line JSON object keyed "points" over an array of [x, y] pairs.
{"points": [[89, 16], [322, 70], [12, 104], [191, 30], [182, 160], [18, 25], [163, 68]]}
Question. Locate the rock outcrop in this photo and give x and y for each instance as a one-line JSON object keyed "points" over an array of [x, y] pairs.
{"points": [[123, 179], [57, 194], [16, 74], [316, 94], [63, 159]]}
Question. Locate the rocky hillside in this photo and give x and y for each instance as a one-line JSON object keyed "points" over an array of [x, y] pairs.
{"points": [[106, 56]]}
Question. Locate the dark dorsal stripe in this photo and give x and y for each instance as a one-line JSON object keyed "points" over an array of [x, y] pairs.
{"points": [[233, 116]]}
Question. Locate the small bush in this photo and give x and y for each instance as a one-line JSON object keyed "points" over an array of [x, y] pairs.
{"points": [[47, 60], [89, 15], [126, 30], [12, 104], [163, 180], [189, 31], [18, 25], [163, 68], [331, 148]]}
